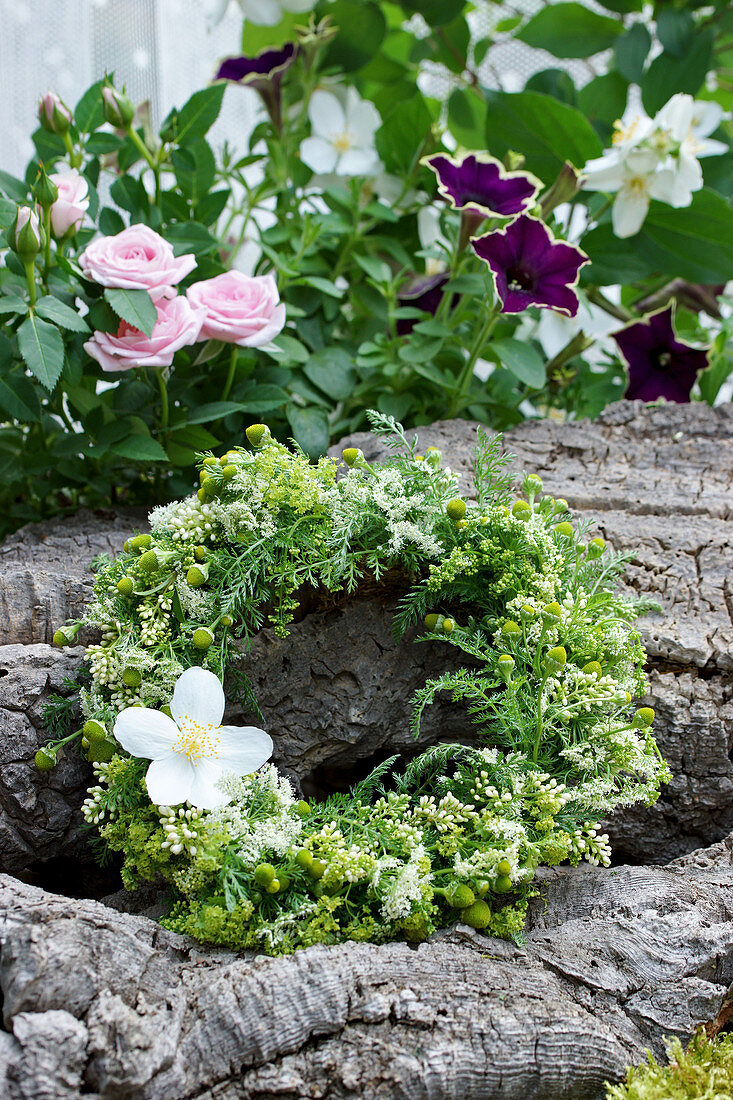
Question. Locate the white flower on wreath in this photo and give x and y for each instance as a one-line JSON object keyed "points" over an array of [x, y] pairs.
{"points": [[191, 751], [342, 138]]}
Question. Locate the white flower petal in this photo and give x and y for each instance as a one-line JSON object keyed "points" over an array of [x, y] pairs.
{"points": [[670, 187], [709, 147], [676, 116], [358, 162], [204, 793], [318, 154], [706, 117], [297, 5], [265, 13], [628, 213], [362, 120], [640, 162], [243, 749], [146, 733], [326, 115], [169, 780], [199, 697]]}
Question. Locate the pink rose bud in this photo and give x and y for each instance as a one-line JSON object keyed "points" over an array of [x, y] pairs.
{"points": [[240, 309], [53, 114], [118, 108], [178, 325], [25, 235], [138, 259], [67, 213]]}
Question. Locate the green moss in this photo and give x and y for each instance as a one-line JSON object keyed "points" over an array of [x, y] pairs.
{"points": [[702, 1072]]}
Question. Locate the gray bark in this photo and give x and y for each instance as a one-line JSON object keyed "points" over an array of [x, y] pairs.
{"points": [[108, 1005]]}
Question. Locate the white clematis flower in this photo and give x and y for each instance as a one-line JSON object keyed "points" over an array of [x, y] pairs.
{"points": [[342, 138], [191, 751]]}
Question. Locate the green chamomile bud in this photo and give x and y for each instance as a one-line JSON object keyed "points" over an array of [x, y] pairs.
{"points": [[433, 621], [644, 717], [125, 586], [448, 626], [204, 494], [556, 658], [527, 613], [127, 545], [196, 575], [132, 677], [433, 457], [256, 433], [148, 562], [460, 897], [521, 509], [352, 455], [199, 553], [85, 743], [510, 628], [561, 505], [100, 752], [94, 731], [596, 547], [317, 869], [228, 472], [551, 612], [532, 484], [593, 668], [226, 621], [304, 858], [502, 884], [65, 635], [565, 529], [118, 108], [477, 915], [264, 874], [45, 760], [302, 808], [505, 666], [455, 509], [204, 476], [202, 638], [210, 461], [273, 887], [504, 867], [141, 542]]}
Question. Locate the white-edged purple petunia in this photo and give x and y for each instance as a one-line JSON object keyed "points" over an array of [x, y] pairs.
{"points": [[191, 751], [479, 183], [659, 364], [531, 267]]}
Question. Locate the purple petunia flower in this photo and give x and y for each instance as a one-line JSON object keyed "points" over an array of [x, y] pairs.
{"points": [[530, 267], [423, 292], [478, 183], [659, 364], [264, 73]]}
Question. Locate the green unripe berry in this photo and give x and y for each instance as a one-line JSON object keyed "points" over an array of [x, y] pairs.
{"points": [[593, 668], [504, 867], [317, 869], [197, 575], [148, 561], [556, 658], [204, 495], [455, 509], [228, 472], [477, 915], [565, 529], [141, 542], [210, 461], [125, 586], [256, 433], [302, 808], [551, 611], [94, 731], [202, 638], [264, 874], [502, 884], [131, 677], [448, 626], [521, 509], [596, 547], [511, 628], [304, 858], [460, 897], [199, 553], [45, 761], [644, 717], [351, 455], [226, 621], [273, 887], [432, 621]]}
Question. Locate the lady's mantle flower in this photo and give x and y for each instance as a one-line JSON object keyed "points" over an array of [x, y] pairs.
{"points": [[530, 267], [342, 138], [479, 183], [192, 751], [659, 364]]}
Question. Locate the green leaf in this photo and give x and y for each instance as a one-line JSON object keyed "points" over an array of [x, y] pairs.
{"points": [[547, 132], [19, 398], [190, 237], [332, 371], [260, 399], [324, 285], [361, 31], [570, 30], [89, 113], [195, 169], [376, 269], [210, 206], [613, 260], [130, 194], [110, 222], [256, 37], [631, 51], [695, 243], [214, 410], [310, 429], [287, 349], [134, 306], [62, 315], [467, 118], [140, 448], [199, 114], [435, 12], [14, 188], [12, 304], [42, 349], [622, 6], [524, 362], [402, 136], [603, 100], [667, 74], [675, 28], [554, 82], [99, 144]]}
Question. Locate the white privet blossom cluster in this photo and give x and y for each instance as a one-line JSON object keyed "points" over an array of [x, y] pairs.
{"points": [[655, 158]]}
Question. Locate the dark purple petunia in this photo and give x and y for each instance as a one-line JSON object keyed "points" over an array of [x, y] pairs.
{"points": [[264, 73], [424, 292], [530, 267], [659, 364], [479, 183]]}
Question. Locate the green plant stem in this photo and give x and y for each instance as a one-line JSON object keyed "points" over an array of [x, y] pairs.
{"points": [[464, 380], [163, 387], [595, 294], [30, 278], [74, 154], [47, 245], [230, 373], [148, 156]]}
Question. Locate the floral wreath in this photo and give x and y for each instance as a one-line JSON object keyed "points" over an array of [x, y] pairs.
{"points": [[456, 834]]}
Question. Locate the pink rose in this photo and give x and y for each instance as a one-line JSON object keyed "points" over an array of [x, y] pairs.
{"points": [[240, 309], [178, 325], [137, 259], [70, 207], [53, 114]]}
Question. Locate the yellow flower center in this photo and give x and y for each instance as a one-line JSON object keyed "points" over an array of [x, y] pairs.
{"points": [[198, 742], [637, 185], [343, 142], [624, 133]]}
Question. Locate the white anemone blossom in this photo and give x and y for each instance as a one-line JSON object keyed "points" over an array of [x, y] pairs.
{"points": [[191, 751], [655, 159], [342, 138]]}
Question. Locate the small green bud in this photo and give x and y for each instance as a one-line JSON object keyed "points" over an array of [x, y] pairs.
{"points": [[141, 542], [44, 760], [556, 658], [432, 621], [284, 881], [199, 553], [593, 668], [561, 505], [644, 717], [131, 677], [26, 236], [226, 621], [204, 495], [521, 509], [505, 666], [118, 108], [53, 114], [202, 638], [85, 743], [551, 611], [302, 808], [125, 586], [511, 628], [502, 884], [45, 191], [317, 869], [169, 129], [228, 472], [264, 874], [565, 529], [532, 484], [60, 639], [527, 613], [210, 461], [596, 547], [448, 626], [304, 858], [99, 752], [504, 867], [460, 897], [148, 561], [352, 455], [127, 545], [256, 433], [66, 635], [204, 476], [273, 887], [455, 509], [433, 457], [477, 915], [94, 731], [196, 575]]}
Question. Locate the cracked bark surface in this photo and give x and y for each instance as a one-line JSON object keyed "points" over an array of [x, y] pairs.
{"points": [[108, 1005]]}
